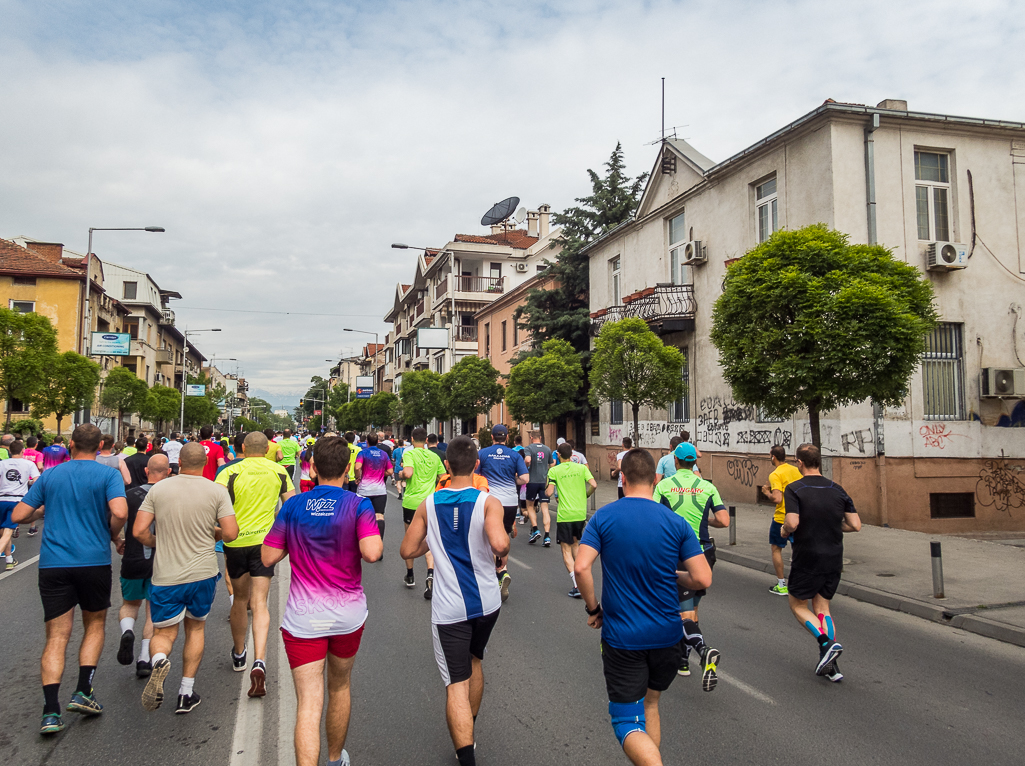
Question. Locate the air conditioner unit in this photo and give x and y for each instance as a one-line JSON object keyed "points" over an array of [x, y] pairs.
{"points": [[946, 256], [1008, 382], [693, 252], [521, 267]]}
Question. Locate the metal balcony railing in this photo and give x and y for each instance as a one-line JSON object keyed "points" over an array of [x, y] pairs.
{"points": [[167, 317], [480, 284], [467, 333], [654, 304]]}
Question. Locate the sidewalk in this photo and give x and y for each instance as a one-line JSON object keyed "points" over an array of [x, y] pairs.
{"points": [[984, 580]]}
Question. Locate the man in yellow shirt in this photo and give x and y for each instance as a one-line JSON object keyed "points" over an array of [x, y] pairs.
{"points": [[782, 475], [354, 450]]}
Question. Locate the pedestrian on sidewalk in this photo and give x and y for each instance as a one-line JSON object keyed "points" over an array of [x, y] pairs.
{"points": [[325, 532], [818, 512], [782, 476], [85, 509], [641, 543], [575, 484]]}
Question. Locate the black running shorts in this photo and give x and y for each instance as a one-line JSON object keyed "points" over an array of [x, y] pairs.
{"points": [[245, 560], [630, 673], [569, 532], [455, 644], [379, 502], [61, 589], [536, 492], [509, 518], [408, 514], [807, 585]]}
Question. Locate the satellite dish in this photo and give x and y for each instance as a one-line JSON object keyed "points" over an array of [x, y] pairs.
{"points": [[500, 211], [521, 215]]}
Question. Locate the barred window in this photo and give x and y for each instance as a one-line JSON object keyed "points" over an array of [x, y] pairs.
{"points": [[943, 373], [616, 412], [679, 410]]}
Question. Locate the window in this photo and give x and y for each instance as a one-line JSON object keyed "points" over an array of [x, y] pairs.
{"points": [[132, 328], [19, 406], [943, 373], [616, 412], [23, 307], [487, 339], [504, 346], [131, 289], [677, 236], [679, 410], [439, 362], [541, 267], [615, 280], [766, 213], [516, 333], [24, 281], [932, 196], [951, 505], [496, 271]]}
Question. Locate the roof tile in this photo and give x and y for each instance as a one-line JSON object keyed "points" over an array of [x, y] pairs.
{"points": [[20, 260]]}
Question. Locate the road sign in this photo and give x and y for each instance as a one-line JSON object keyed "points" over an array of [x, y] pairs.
{"points": [[432, 337], [195, 390], [318, 412], [364, 386], [111, 344]]}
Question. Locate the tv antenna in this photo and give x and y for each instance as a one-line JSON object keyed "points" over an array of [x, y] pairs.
{"points": [[500, 211], [672, 128]]}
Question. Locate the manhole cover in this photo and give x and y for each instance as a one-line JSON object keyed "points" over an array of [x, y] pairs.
{"points": [[885, 574]]}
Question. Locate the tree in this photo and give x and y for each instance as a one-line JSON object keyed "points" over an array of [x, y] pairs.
{"points": [[202, 410], [382, 408], [124, 393], [421, 397], [246, 425], [163, 404], [543, 388], [27, 343], [470, 388], [353, 416], [808, 320], [69, 384], [632, 364]]}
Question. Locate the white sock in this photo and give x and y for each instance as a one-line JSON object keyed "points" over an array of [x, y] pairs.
{"points": [[127, 624], [144, 654], [573, 577], [231, 599], [186, 686], [782, 583], [10, 558], [158, 657]]}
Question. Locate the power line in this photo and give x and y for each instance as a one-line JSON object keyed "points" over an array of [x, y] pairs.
{"points": [[254, 311]]}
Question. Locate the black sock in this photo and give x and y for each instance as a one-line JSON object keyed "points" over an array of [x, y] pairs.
{"points": [[380, 527], [465, 756], [85, 679], [533, 530], [409, 572], [823, 640], [475, 719], [50, 696], [430, 571], [692, 635]]}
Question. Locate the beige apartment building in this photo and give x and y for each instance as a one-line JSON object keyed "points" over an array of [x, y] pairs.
{"points": [[946, 194]]}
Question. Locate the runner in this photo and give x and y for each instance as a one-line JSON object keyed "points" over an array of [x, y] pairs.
{"points": [[521, 511], [782, 476], [214, 452], [354, 449], [289, 451], [55, 454], [254, 485], [505, 471], [466, 528], [432, 445], [137, 573], [421, 469], [136, 463], [667, 465], [627, 446], [85, 510], [372, 470], [818, 514], [5, 446], [16, 476], [306, 482], [219, 547], [172, 448], [190, 512], [32, 454], [575, 484], [107, 457], [538, 459], [396, 457], [698, 502], [325, 533]]}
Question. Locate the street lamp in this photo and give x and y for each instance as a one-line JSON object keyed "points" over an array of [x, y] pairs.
{"points": [[227, 406], [185, 376], [377, 348]]}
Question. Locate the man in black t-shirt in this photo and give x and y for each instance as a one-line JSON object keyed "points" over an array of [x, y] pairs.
{"points": [[137, 569], [136, 464], [818, 512]]}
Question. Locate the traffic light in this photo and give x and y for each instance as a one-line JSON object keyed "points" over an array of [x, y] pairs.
{"points": [[302, 402]]}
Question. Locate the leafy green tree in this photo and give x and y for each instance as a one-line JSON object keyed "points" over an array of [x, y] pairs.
{"points": [[632, 364], [203, 410], [123, 393], [26, 426], [163, 404], [543, 388], [422, 398], [28, 342], [382, 408], [69, 384], [314, 397], [353, 416], [247, 425], [470, 388], [807, 319]]}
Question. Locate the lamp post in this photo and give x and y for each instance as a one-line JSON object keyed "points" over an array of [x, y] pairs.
{"points": [[226, 399], [185, 374], [376, 348]]}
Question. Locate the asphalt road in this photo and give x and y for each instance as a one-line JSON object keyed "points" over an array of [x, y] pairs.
{"points": [[915, 692]]}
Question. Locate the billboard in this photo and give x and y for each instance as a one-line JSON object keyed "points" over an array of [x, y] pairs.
{"points": [[111, 344], [364, 386], [432, 337], [195, 390]]}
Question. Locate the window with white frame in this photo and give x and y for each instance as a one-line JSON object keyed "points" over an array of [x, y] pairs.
{"points": [[766, 211], [932, 196], [615, 280], [679, 410], [943, 373], [616, 412], [22, 307], [677, 238]]}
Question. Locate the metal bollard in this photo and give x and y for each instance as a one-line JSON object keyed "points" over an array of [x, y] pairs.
{"points": [[733, 525], [937, 570]]}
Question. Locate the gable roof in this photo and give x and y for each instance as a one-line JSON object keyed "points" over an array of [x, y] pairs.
{"points": [[518, 239], [15, 259]]}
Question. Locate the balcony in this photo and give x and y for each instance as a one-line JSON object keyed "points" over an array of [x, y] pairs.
{"points": [[420, 307], [666, 308], [480, 284], [442, 287], [165, 357], [167, 317], [466, 333]]}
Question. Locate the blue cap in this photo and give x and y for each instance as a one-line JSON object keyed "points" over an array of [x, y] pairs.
{"points": [[685, 452], [499, 430]]}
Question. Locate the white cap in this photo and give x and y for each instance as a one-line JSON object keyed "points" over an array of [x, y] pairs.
{"points": [[559, 441]]}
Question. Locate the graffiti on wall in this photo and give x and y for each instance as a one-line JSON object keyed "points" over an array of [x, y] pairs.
{"points": [[1001, 486], [856, 440], [714, 418], [936, 435], [742, 470], [778, 437]]}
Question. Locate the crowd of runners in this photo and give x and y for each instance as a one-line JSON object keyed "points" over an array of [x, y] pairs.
{"points": [[169, 505]]}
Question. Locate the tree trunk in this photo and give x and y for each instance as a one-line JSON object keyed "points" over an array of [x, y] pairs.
{"points": [[813, 420], [7, 428], [637, 430], [118, 431], [59, 418]]}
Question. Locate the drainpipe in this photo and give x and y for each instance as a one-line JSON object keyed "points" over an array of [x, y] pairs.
{"points": [[870, 177]]}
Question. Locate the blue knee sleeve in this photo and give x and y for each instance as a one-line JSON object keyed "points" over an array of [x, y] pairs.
{"points": [[627, 717]]}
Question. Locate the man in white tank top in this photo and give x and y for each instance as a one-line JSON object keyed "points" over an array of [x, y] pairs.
{"points": [[464, 528]]}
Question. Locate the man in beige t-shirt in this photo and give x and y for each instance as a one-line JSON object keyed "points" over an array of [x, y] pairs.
{"points": [[191, 513]]}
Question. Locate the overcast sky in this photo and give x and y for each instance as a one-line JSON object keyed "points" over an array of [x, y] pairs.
{"points": [[284, 146]]}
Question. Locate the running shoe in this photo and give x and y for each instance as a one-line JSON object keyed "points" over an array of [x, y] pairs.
{"points": [[186, 703], [143, 668], [547, 542], [52, 723], [575, 593], [153, 693], [505, 580], [11, 565], [829, 655], [85, 704], [32, 531], [429, 591], [258, 680], [126, 651], [409, 580], [779, 590], [684, 669], [521, 520], [534, 537], [710, 660], [238, 661], [17, 531], [832, 672]]}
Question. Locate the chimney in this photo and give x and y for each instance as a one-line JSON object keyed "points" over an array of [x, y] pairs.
{"points": [[895, 104], [496, 228], [543, 213], [51, 251], [532, 217]]}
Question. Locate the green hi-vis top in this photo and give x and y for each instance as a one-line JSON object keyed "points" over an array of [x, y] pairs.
{"points": [[692, 497]]}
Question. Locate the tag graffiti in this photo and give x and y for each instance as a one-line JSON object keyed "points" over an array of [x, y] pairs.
{"points": [[1000, 486], [743, 470], [936, 435]]}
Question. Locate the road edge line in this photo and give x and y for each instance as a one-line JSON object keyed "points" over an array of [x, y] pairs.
{"points": [[21, 565]]}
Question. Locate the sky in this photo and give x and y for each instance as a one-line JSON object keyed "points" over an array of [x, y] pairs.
{"points": [[285, 146]]}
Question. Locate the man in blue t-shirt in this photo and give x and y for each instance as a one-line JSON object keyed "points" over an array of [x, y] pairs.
{"points": [[85, 508], [642, 545], [505, 471]]}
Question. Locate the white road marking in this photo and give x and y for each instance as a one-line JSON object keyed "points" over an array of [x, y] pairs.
{"points": [[745, 688], [248, 737], [21, 565], [285, 687], [519, 563]]}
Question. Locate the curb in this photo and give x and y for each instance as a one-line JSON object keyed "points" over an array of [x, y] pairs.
{"points": [[968, 622]]}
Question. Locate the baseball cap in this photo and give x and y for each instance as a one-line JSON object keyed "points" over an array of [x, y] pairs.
{"points": [[685, 451], [499, 430]]}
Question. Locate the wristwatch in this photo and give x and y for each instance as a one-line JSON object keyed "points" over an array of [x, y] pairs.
{"points": [[597, 610]]}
